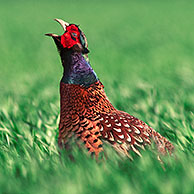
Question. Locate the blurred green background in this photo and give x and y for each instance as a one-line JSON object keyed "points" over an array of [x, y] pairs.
{"points": [[142, 51]]}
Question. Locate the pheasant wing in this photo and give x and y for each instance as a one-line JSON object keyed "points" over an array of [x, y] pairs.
{"points": [[125, 132]]}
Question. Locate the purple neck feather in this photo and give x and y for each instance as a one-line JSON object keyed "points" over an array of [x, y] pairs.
{"points": [[77, 70]]}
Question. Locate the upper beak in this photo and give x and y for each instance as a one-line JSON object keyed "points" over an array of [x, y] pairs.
{"points": [[63, 24]]}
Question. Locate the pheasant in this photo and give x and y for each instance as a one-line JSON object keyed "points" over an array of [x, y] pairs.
{"points": [[86, 114]]}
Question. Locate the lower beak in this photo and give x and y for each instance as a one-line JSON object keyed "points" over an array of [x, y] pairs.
{"points": [[52, 35]]}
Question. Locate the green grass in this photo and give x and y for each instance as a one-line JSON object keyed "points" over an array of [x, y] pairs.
{"points": [[143, 53]]}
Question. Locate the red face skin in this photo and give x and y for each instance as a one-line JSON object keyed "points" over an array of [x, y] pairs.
{"points": [[71, 36]]}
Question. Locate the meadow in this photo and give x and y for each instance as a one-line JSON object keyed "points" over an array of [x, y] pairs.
{"points": [[142, 51]]}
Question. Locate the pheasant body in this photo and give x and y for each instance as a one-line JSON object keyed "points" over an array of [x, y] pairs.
{"points": [[87, 114]]}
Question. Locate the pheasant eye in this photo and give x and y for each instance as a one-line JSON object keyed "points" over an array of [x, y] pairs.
{"points": [[74, 34]]}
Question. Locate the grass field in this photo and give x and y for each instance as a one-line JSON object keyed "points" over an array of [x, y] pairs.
{"points": [[142, 51]]}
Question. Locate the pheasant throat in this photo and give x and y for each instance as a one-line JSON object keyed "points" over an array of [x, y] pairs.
{"points": [[77, 70]]}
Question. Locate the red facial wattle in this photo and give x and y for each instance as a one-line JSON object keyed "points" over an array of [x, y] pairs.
{"points": [[71, 36]]}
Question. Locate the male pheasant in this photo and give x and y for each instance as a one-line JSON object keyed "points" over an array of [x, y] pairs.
{"points": [[85, 111]]}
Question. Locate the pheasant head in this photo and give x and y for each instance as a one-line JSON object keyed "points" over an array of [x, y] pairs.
{"points": [[72, 46], [72, 39]]}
